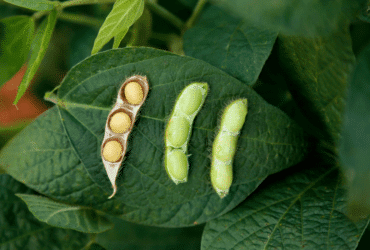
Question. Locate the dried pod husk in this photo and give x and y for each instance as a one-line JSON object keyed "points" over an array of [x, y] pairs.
{"points": [[119, 124]]}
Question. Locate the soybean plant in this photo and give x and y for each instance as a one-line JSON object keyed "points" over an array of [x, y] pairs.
{"points": [[224, 146], [178, 130]]}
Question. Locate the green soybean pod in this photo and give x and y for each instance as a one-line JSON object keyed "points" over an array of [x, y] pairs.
{"points": [[224, 145], [178, 130]]}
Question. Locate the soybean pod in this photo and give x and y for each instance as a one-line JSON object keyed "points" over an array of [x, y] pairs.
{"points": [[178, 130], [119, 124], [224, 146]]}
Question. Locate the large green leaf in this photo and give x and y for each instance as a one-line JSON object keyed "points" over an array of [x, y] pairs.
{"points": [[16, 34], [354, 144], [34, 4], [295, 17], [300, 209], [119, 20], [19, 229], [59, 153], [38, 49], [63, 215], [233, 45], [319, 70]]}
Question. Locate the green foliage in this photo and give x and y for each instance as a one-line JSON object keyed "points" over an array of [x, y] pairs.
{"points": [[231, 44], [34, 4], [283, 214], [21, 230], [65, 216], [69, 136], [355, 139], [300, 171], [119, 20], [15, 35], [304, 18], [38, 49], [320, 68]]}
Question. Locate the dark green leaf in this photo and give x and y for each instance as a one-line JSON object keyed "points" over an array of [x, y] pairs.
{"points": [[94, 246], [295, 17], [59, 153], [119, 20], [127, 235], [39, 45], [304, 209], [231, 44], [15, 41], [34, 4], [66, 216], [319, 69], [19, 229], [354, 144]]}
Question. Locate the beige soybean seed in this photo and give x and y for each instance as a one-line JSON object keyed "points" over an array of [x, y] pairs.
{"points": [[112, 151], [224, 146], [120, 122], [177, 165], [178, 130], [134, 93]]}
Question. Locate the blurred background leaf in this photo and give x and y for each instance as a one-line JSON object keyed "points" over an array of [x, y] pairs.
{"points": [[233, 45], [21, 230], [38, 49], [318, 71], [304, 18], [34, 4], [16, 34], [354, 144]]}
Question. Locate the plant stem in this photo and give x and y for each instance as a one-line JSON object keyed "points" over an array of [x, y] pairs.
{"points": [[177, 22], [81, 19], [84, 2], [194, 16]]}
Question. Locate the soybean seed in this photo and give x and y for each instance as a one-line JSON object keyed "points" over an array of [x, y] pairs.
{"points": [[112, 151], [120, 122], [134, 93]]}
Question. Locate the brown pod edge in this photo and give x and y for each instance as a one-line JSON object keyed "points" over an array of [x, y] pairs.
{"points": [[129, 105]]}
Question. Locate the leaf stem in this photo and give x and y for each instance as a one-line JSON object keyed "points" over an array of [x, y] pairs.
{"points": [[194, 16], [177, 22], [81, 19], [84, 2]]}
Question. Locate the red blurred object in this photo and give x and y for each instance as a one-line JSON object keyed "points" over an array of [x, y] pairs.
{"points": [[28, 107]]}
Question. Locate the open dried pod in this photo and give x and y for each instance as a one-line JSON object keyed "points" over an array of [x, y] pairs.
{"points": [[120, 121]]}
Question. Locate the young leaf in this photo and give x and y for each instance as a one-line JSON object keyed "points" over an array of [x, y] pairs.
{"points": [[34, 4], [233, 45], [59, 153], [319, 69], [39, 45], [119, 20], [21, 230], [354, 144], [15, 35], [66, 216], [300, 209]]}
